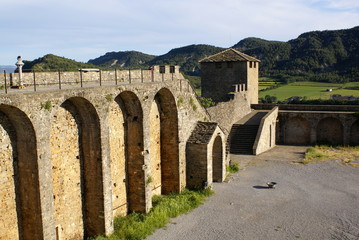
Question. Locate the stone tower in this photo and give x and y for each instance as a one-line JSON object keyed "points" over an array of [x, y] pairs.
{"points": [[229, 71]]}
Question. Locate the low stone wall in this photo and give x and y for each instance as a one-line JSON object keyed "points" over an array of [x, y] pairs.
{"points": [[155, 74], [266, 134], [303, 107]]}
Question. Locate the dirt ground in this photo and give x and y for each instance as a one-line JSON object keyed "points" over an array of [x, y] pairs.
{"points": [[314, 201]]}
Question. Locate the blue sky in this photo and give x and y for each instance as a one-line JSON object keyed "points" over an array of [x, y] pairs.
{"points": [[86, 29]]}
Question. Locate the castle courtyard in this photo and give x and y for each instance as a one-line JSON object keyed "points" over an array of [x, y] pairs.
{"points": [[314, 201]]}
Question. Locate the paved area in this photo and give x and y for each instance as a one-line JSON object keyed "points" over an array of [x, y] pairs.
{"points": [[314, 201]]}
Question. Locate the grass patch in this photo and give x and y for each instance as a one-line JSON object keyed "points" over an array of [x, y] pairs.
{"points": [[233, 168], [345, 154], [139, 225]]}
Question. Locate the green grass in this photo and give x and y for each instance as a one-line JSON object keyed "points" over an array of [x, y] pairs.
{"points": [[345, 154], [311, 90], [138, 225], [233, 168]]}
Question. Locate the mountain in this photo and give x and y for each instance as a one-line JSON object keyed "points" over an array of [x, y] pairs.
{"points": [[187, 57], [52, 62], [317, 56], [331, 56], [7, 68], [126, 59]]}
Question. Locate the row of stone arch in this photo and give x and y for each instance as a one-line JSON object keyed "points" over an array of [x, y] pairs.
{"points": [[77, 166], [329, 130]]}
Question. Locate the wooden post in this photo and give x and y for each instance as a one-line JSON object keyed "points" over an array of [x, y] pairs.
{"points": [[5, 81], [59, 79], [33, 73]]}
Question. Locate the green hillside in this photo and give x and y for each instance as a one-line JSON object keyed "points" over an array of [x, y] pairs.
{"points": [[126, 59], [321, 56], [52, 62], [325, 56], [187, 57]]}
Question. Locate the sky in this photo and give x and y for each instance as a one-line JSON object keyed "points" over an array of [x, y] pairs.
{"points": [[86, 29]]}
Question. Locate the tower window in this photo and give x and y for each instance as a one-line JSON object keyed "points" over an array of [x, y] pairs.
{"points": [[250, 64], [255, 64], [172, 69], [162, 69]]}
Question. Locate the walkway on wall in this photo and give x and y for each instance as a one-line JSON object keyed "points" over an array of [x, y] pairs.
{"points": [[244, 132]]}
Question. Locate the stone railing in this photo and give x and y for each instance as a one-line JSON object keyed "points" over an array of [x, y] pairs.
{"points": [[265, 138], [90, 77]]}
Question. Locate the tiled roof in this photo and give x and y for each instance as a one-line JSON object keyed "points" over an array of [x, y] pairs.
{"points": [[203, 132], [229, 55]]}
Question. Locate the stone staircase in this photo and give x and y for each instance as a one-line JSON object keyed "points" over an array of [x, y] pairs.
{"points": [[243, 133]]}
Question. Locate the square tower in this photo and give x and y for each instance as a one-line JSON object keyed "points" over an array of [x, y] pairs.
{"points": [[220, 72]]}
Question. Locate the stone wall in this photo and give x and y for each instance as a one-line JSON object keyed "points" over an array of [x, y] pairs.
{"points": [[8, 213], [227, 113], [66, 175], [106, 77], [315, 127], [266, 134], [76, 139]]}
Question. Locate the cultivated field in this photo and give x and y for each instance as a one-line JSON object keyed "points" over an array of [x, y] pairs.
{"points": [[310, 90]]}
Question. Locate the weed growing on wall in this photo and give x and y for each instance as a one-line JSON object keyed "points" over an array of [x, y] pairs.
{"points": [[193, 105], [47, 105], [180, 100], [109, 97], [139, 225]]}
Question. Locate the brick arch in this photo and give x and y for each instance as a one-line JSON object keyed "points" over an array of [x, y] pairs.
{"points": [[77, 170], [297, 131], [354, 133], [217, 159], [21, 210], [134, 160], [169, 149], [330, 131]]}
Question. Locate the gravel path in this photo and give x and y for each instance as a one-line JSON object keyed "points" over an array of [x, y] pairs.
{"points": [[314, 201]]}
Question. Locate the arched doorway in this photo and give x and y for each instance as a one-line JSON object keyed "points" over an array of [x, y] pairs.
{"points": [[77, 170], [217, 160], [297, 131], [165, 133], [20, 210], [330, 131], [116, 124], [134, 160]]}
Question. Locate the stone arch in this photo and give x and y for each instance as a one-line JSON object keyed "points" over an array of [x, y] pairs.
{"points": [[134, 153], [21, 210], [117, 158], [169, 149], [330, 131], [217, 159], [77, 170], [354, 133], [297, 131]]}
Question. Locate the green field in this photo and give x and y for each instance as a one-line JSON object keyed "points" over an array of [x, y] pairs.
{"points": [[312, 90]]}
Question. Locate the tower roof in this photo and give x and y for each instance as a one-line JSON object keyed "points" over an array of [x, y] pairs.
{"points": [[229, 55]]}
